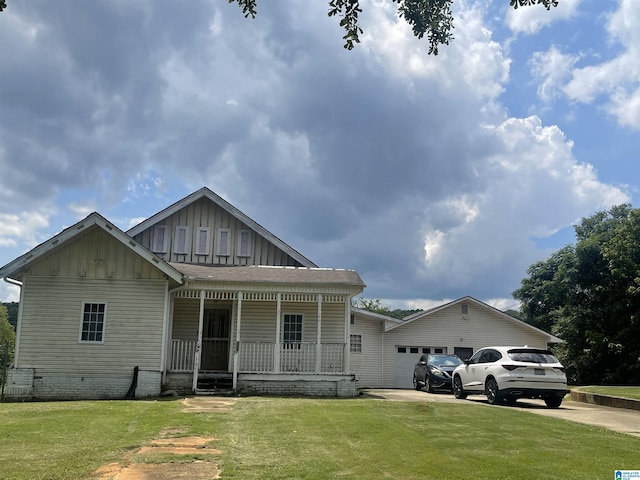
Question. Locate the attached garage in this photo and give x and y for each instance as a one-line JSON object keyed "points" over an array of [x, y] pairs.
{"points": [[405, 359], [460, 327]]}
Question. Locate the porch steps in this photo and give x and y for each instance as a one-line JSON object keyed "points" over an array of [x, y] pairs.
{"points": [[215, 384]]}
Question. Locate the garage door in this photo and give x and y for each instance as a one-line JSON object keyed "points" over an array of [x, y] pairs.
{"points": [[405, 359]]}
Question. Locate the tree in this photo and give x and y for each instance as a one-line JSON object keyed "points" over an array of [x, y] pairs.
{"points": [[12, 309], [589, 295], [7, 335], [432, 18], [375, 305]]}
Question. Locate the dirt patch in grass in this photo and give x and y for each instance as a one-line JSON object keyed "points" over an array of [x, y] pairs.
{"points": [[171, 442], [197, 470], [208, 404]]}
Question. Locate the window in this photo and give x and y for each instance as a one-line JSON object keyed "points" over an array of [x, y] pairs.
{"points": [[292, 330], [181, 241], [224, 242], [244, 243], [352, 320], [93, 317], [202, 241], [356, 344], [426, 350], [464, 308], [159, 239]]}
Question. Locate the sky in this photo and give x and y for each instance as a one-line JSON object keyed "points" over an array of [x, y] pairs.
{"points": [[434, 177]]}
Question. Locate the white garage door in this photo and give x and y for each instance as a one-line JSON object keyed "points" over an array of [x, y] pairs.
{"points": [[406, 358]]}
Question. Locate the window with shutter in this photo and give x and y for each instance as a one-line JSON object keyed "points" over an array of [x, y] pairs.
{"points": [[224, 245], [181, 242], [244, 243], [202, 241], [160, 239]]}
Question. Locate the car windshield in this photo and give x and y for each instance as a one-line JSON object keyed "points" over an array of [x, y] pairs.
{"points": [[532, 356], [444, 360]]}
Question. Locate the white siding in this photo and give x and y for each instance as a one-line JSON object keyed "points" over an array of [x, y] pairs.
{"points": [[51, 321], [368, 365]]}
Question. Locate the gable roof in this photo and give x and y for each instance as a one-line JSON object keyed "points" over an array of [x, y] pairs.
{"points": [[204, 192], [17, 266], [272, 274], [505, 316]]}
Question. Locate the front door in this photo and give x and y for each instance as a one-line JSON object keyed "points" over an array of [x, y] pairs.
{"points": [[215, 340]]}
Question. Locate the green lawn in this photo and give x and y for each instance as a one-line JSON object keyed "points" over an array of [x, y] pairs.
{"points": [[624, 392], [281, 438]]}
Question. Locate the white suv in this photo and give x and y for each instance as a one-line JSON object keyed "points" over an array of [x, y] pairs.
{"points": [[505, 374]]}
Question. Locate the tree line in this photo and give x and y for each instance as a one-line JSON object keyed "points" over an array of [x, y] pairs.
{"points": [[588, 294]]}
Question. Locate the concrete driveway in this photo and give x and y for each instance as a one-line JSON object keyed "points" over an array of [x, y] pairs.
{"points": [[617, 419]]}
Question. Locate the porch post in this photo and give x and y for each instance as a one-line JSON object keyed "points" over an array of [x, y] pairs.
{"points": [[165, 328], [196, 360], [319, 336], [347, 335], [277, 347], [235, 354]]}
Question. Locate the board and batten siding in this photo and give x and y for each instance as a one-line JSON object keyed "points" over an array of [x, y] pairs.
{"points": [[94, 254], [448, 329], [205, 213], [368, 364], [52, 320]]}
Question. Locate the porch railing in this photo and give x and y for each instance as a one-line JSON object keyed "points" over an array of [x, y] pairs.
{"points": [[260, 357], [183, 354]]}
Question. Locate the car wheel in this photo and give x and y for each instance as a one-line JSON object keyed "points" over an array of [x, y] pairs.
{"points": [[458, 391], [415, 382], [492, 391], [427, 384], [553, 402]]}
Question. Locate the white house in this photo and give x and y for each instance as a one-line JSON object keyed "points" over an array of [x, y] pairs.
{"points": [[198, 298], [195, 298]]}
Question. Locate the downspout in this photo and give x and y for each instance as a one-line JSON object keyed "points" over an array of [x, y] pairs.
{"points": [[18, 284]]}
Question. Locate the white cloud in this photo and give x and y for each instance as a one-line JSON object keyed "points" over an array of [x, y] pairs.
{"points": [[617, 79], [534, 187], [551, 69], [531, 19], [22, 228]]}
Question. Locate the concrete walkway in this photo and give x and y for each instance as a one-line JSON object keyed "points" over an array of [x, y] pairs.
{"points": [[616, 419]]}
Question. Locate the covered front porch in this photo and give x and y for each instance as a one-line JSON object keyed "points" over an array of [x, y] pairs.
{"points": [[263, 342]]}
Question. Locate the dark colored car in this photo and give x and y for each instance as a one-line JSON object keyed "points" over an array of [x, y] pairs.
{"points": [[433, 372]]}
